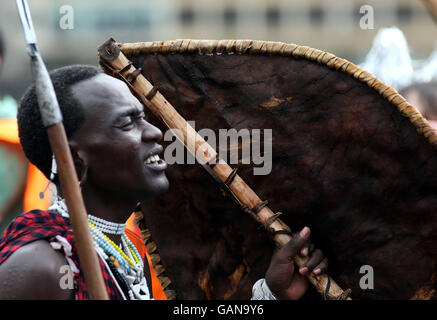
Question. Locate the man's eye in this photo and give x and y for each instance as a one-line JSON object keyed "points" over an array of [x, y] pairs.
{"points": [[140, 117], [131, 120], [127, 124]]}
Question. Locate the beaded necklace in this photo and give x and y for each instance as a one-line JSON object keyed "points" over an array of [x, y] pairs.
{"points": [[107, 227], [125, 264]]}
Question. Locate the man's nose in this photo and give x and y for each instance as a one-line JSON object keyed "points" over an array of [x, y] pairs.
{"points": [[151, 132]]}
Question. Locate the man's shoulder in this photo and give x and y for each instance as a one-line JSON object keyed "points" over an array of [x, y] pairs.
{"points": [[37, 256], [34, 271]]}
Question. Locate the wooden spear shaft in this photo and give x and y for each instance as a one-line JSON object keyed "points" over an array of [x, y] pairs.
{"points": [[89, 263], [111, 55]]}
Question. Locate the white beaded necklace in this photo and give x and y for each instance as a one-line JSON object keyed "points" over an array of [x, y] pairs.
{"points": [[130, 263], [107, 227]]}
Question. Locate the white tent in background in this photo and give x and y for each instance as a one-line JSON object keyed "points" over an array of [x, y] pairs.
{"points": [[389, 58]]}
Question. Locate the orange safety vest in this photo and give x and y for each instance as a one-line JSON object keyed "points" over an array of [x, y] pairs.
{"points": [[36, 181]]}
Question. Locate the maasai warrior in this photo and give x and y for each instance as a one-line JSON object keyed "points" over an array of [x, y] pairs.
{"points": [[116, 155]]}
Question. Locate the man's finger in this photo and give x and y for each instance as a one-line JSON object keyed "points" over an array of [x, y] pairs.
{"points": [[321, 267], [292, 247], [315, 259], [307, 249]]}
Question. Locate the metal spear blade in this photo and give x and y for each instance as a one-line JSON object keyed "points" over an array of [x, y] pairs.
{"points": [[48, 104], [26, 21]]}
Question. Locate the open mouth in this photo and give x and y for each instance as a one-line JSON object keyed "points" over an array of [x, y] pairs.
{"points": [[152, 159], [155, 162]]}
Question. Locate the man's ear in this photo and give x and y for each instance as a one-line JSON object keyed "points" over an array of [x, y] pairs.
{"points": [[80, 161]]}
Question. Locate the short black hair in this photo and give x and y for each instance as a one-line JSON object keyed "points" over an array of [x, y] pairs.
{"points": [[33, 136]]}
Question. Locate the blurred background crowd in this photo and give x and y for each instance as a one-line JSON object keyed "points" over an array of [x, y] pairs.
{"points": [[396, 43]]}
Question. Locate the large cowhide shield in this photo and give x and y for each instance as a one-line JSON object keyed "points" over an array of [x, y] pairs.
{"points": [[351, 159]]}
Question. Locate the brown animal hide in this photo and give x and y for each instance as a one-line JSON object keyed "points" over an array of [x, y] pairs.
{"points": [[346, 162]]}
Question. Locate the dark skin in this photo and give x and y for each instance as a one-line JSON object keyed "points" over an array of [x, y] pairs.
{"points": [[109, 151]]}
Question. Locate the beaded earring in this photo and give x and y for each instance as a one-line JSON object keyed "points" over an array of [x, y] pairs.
{"points": [[84, 176], [53, 172]]}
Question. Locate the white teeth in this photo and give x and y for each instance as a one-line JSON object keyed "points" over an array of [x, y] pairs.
{"points": [[152, 159]]}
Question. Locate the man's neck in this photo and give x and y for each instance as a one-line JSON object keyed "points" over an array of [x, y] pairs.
{"points": [[110, 207]]}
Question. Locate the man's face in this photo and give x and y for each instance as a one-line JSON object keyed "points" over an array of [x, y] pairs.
{"points": [[115, 140]]}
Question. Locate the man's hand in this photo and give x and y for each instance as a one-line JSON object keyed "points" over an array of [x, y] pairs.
{"points": [[281, 277]]}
